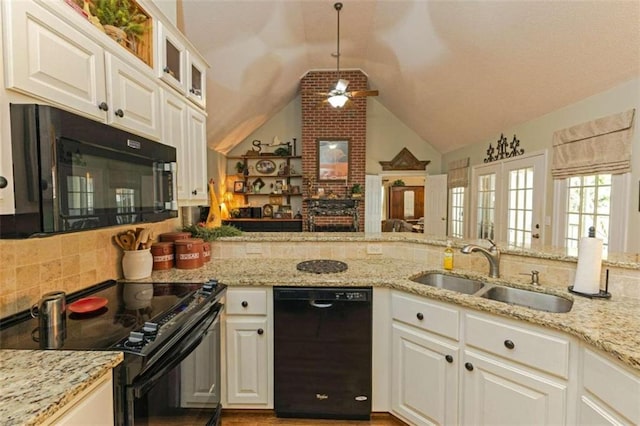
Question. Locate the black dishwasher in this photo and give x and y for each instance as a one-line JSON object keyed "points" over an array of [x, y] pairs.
{"points": [[322, 352]]}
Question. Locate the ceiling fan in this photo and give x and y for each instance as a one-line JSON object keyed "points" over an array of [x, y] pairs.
{"points": [[339, 97]]}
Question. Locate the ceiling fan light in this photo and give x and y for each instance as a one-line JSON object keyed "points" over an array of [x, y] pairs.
{"points": [[338, 101]]}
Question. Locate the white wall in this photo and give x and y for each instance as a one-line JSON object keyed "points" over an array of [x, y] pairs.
{"points": [[536, 135], [168, 8], [387, 135]]}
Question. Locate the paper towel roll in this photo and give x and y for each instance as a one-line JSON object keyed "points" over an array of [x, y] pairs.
{"points": [[589, 266]]}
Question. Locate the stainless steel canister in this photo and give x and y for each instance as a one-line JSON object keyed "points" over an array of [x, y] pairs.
{"points": [[51, 312]]}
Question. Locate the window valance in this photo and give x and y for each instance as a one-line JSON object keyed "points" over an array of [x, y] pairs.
{"points": [[598, 146], [458, 174]]}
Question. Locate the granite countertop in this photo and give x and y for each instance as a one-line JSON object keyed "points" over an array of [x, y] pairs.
{"points": [[37, 384], [612, 325]]}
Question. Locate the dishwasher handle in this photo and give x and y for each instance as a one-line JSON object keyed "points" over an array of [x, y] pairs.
{"points": [[316, 304]]}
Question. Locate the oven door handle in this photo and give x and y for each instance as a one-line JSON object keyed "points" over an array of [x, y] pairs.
{"points": [[147, 380]]}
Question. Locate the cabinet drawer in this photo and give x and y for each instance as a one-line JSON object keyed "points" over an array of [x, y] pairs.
{"points": [[426, 315], [612, 384], [246, 301], [537, 349]]}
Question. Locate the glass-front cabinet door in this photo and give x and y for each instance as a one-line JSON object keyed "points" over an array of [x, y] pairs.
{"points": [[196, 86], [171, 58]]}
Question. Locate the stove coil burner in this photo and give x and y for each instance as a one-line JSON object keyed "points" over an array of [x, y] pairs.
{"points": [[322, 266]]}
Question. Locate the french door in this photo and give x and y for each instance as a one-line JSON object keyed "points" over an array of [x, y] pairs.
{"points": [[507, 201]]}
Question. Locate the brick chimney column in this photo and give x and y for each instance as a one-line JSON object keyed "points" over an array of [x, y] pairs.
{"points": [[321, 121]]}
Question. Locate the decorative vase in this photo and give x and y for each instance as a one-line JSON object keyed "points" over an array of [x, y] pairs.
{"points": [[137, 264]]}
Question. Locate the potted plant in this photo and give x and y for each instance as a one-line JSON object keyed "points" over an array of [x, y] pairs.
{"points": [[398, 182], [356, 190], [239, 167], [122, 20]]}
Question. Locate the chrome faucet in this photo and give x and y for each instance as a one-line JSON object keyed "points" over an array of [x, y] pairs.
{"points": [[492, 255]]}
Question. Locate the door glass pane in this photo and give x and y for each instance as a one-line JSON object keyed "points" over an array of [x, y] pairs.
{"points": [[520, 206], [486, 205], [457, 210]]}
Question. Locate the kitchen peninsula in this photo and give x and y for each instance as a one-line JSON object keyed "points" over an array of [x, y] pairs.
{"points": [[421, 331]]}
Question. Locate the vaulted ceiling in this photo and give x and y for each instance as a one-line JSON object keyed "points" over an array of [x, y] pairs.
{"points": [[456, 72]]}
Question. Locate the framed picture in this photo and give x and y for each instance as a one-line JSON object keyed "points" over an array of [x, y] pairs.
{"points": [[333, 159], [238, 186], [265, 167]]}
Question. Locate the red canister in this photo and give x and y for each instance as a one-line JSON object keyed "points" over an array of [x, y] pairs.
{"points": [[189, 253], [162, 255], [206, 251], [173, 236]]}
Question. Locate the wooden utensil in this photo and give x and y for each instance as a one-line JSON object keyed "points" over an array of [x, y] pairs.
{"points": [[128, 241]]}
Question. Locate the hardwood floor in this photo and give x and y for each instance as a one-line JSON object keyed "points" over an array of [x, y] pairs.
{"points": [[267, 417]]}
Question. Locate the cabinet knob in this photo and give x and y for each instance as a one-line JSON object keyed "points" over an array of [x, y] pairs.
{"points": [[509, 344], [420, 316], [260, 331], [449, 358], [166, 69], [244, 303], [3, 182], [468, 366], [120, 113], [103, 106], [194, 192]]}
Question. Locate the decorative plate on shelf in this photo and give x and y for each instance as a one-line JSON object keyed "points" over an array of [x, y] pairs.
{"points": [[267, 210], [265, 167]]}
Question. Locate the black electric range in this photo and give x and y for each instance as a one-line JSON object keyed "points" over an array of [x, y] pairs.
{"points": [[156, 325]]}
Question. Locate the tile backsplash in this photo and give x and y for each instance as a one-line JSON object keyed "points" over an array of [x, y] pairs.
{"points": [[69, 262]]}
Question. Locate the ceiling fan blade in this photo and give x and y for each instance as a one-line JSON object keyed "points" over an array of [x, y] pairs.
{"points": [[362, 93], [341, 85]]}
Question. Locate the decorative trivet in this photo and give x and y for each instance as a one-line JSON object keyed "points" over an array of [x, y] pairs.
{"points": [[322, 266]]}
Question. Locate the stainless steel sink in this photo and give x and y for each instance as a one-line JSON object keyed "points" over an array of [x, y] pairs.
{"points": [[529, 299], [449, 282]]}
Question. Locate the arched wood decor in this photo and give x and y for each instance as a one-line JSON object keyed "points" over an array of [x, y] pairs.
{"points": [[404, 160]]}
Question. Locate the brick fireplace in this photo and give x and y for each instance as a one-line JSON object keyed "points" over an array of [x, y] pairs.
{"points": [[321, 121]]}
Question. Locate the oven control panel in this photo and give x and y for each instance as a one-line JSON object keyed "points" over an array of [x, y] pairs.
{"points": [[142, 339]]}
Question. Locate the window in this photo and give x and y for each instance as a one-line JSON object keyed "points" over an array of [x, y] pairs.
{"points": [[600, 201], [457, 212], [588, 204]]}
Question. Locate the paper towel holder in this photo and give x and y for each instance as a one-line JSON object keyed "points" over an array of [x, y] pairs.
{"points": [[602, 294]]}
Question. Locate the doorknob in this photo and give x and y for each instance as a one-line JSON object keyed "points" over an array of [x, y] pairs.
{"points": [[535, 235]]}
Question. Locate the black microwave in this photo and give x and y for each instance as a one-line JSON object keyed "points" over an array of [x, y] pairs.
{"points": [[71, 173]]}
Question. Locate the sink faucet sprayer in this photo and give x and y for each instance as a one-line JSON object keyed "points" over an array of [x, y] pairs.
{"points": [[492, 254]]}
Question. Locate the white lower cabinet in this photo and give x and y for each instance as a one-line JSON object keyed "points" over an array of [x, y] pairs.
{"points": [[610, 393], [424, 388], [450, 365], [496, 392], [248, 348]]}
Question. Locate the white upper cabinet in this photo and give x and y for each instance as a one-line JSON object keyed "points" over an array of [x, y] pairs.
{"points": [[134, 98], [55, 62], [179, 65], [52, 60]]}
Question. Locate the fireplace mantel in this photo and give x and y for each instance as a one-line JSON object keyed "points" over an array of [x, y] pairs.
{"points": [[332, 207]]}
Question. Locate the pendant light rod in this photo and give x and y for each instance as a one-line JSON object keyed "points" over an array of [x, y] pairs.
{"points": [[338, 7]]}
